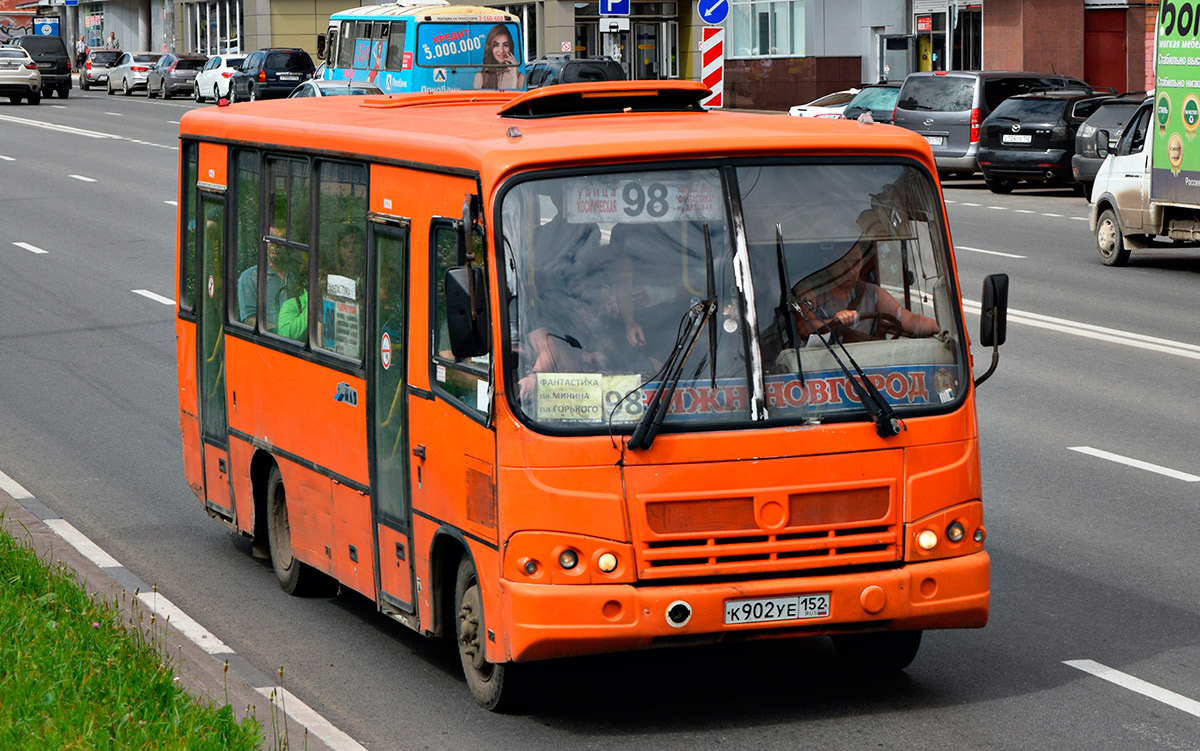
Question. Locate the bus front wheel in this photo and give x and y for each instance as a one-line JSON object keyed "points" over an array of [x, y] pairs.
{"points": [[491, 685], [880, 652], [295, 577]]}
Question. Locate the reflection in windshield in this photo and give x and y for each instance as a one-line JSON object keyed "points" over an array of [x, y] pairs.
{"points": [[602, 271]]}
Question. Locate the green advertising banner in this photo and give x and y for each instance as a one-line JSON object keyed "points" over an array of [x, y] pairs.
{"points": [[1175, 176]]}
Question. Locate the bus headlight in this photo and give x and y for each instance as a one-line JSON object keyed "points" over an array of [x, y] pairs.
{"points": [[927, 539]]}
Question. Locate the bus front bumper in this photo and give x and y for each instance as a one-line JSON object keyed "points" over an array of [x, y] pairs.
{"points": [[545, 621]]}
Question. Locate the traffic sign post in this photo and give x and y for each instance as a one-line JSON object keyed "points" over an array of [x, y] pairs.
{"points": [[712, 68]]}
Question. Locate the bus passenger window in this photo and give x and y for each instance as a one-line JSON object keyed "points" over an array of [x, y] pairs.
{"points": [[345, 45], [187, 237], [246, 238], [465, 379], [342, 260], [395, 53]]}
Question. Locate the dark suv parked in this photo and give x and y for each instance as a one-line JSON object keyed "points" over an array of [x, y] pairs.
{"points": [[948, 108], [1031, 137], [1110, 116], [50, 54], [552, 69], [270, 73]]}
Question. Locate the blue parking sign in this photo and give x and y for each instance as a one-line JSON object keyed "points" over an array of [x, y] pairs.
{"points": [[614, 7]]}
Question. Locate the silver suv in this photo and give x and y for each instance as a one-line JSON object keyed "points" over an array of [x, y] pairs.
{"points": [[947, 107]]}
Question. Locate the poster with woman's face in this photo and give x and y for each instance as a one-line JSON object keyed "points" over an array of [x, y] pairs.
{"points": [[472, 55]]}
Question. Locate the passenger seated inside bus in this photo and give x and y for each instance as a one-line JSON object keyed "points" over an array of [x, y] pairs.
{"points": [[563, 336]]}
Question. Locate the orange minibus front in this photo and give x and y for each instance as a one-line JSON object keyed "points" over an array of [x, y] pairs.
{"points": [[574, 400]]}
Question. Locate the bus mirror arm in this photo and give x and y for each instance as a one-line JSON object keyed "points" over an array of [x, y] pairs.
{"points": [[466, 311], [993, 321]]}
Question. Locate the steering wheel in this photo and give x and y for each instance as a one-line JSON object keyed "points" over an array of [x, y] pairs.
{"points": [[885, 324]]}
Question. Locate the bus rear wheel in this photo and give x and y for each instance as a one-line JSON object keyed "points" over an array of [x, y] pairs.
{"points": [[881, 652], [492, 685], [295, 577]]}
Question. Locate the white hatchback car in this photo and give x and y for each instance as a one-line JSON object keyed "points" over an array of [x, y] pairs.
{"points": [[212, 82], [830, 105]]}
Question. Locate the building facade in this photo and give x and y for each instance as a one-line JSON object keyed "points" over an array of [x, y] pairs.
{"points": [[777, 52]]}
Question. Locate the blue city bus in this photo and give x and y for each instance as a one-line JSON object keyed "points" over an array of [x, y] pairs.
{"points": [[428, 46]]}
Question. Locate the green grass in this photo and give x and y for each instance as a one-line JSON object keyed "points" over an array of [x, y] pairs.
{"points": [[74, 675]]}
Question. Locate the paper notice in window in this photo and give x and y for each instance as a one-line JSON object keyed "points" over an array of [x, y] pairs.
{"points": [[570, 396]]}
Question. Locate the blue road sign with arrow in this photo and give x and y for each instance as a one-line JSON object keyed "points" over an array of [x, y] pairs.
{"points": [[714, 11]]}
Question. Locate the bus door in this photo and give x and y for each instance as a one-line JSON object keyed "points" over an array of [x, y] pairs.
{"points": [[388, 430], [214, 431]]}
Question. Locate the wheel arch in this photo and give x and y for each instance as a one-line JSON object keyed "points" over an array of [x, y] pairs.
{"points": [[260, 473], [447, 549]]}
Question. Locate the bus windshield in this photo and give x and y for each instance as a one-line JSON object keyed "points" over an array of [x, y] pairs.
{"points": [[749, 292]]}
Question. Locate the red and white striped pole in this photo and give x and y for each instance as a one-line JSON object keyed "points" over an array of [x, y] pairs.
{"points": [[712, 66]]}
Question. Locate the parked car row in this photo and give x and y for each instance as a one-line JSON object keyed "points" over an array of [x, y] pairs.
{"points": [[1013, 126]]}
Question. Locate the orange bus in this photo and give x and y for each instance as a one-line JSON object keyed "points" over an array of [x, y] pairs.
{"points": [[584, 369]]}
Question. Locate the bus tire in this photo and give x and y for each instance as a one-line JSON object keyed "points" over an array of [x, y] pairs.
{"points": [[879, 652], [295, 577], [491, 684], [1110, 243]]}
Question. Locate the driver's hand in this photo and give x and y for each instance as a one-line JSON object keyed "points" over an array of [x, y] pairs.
{"points": [[846, 317]]}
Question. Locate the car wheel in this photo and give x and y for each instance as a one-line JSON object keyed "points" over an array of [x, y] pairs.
{"points": [[253, 93], [1110, 243], [108, 85], [34, 98], [196, 95], [125, 87], [877, 653], [15, 98], [999, 184], [295, 577], [217, 93], [64, 92], [83, 84], [150, 92], [232, 94], [165, 93]]}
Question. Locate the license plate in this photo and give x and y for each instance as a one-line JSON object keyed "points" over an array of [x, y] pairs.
{"points": [[1016, 138], [289, 77], [936, 140], [766, 609], [45, 65]]}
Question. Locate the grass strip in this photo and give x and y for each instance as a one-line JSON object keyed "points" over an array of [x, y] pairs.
{"points": [[74, 675]]}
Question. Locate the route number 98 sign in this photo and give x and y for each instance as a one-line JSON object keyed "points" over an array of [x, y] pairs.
{"points": [[644, 199]]}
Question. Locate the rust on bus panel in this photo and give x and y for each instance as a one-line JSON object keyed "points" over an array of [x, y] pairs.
{"points": [[535, 378]]}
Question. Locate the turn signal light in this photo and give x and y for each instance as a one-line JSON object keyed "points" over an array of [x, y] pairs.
{"points": [[955, 532]]}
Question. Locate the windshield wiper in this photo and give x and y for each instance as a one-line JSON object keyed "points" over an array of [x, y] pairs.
{"points": [[710, 289], [783, 314], [882, 414], [651, 421]]}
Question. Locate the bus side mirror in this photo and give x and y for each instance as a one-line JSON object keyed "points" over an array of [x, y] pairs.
{"points": [[1101, 143], [993, 321], [466, 311]]}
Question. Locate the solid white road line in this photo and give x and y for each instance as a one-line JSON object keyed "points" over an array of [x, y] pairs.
{"points": [[13, 488], [201, 636], [989, 252], [1137, 685], [30, 248], [6, 158], [1088, 331], [83, 178], [1137, 463], [171, 203], [80, 542], [153, 296], [61, 128], [316, 724]]}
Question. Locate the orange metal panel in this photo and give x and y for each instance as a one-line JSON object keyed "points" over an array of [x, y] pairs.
{"points": [[240, 456], [352, 527], [213, 163], [395, 577], [216, 479], [185, 359]]}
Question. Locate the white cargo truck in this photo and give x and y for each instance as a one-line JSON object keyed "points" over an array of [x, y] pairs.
{"points": [[1149, 187]]}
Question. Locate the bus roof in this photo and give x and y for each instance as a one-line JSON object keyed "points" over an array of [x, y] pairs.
{"points": [[437, 10], [489, 133]]}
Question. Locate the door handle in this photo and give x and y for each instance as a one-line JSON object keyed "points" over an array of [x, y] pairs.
{"points": [[419, 451]]}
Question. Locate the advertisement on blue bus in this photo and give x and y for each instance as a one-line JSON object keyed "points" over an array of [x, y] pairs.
{"points": [[400, 53]]}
